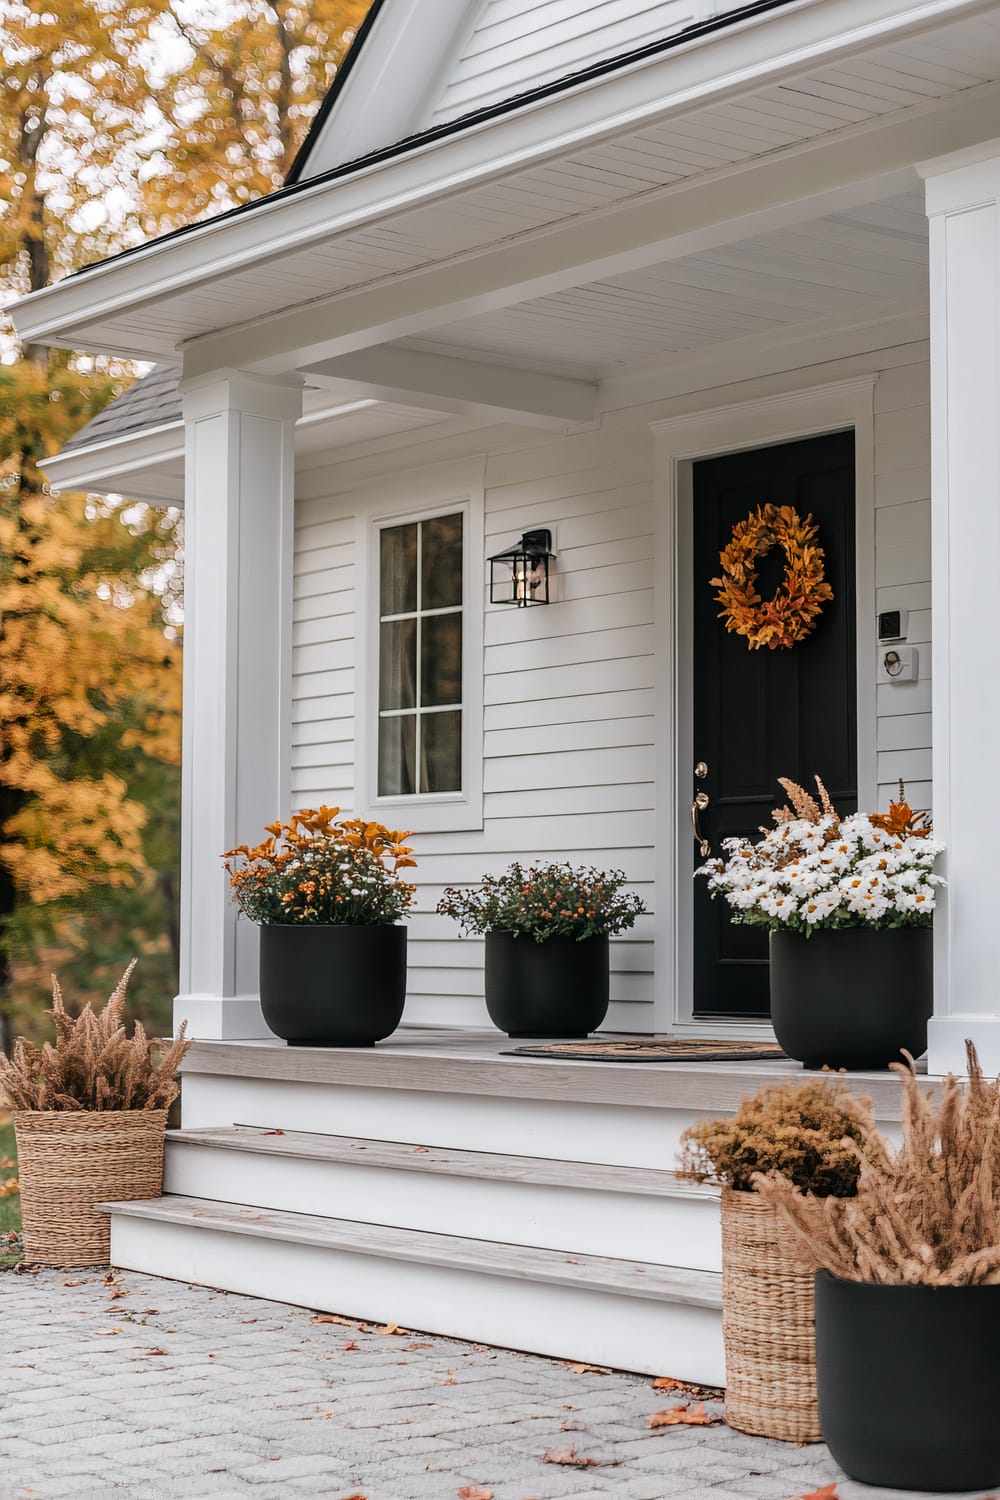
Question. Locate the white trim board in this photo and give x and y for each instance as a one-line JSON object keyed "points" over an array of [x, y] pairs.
{"points": [[679, 443]]}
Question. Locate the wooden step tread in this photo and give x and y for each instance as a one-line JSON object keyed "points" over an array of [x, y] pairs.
{"points": [[526, 1263], [404, 1156]]}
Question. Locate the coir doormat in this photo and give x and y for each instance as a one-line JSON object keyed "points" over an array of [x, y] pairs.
{"points": [[651, 1049]]}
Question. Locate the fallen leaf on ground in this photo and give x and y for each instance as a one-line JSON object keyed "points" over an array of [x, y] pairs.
{"points": [[420, 1346], [272, 1132], [355, 1497], [66, 1282], [391, 1328], [349, 1345], [152, 1351], [568, 1457], [6, 1162], [9, 1188], [828, 1492], [325, 1318], [451, 1378], [473, 1492], [684, 1415], [151, 1312], [688, 1388], [579, 1368]]}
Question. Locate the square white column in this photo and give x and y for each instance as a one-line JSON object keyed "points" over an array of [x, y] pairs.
{"points": [[963, 207], [239, 522]]}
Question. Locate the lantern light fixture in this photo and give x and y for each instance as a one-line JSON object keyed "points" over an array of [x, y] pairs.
{"points": [[520, 575]]}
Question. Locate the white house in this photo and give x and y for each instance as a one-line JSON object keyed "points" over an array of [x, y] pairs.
{"points": [[618, 269]]}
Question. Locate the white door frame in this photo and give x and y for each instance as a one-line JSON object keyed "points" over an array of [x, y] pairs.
{"points": [[679, 442]]}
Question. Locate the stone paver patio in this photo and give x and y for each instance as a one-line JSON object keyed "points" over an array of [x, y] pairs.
{"points": [[152, 1389]]}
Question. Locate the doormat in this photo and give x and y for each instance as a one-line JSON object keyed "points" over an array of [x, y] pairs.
{"points": [[651, 1049]]}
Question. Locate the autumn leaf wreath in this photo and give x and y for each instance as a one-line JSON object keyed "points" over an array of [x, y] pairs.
{"points": [[791, 613]]}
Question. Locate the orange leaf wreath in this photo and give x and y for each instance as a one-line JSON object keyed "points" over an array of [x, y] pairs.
{"points": [[791, 614]]}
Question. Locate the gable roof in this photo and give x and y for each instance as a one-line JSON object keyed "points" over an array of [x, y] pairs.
{"points": [[155, 400], [332, 96], [459, 61]]}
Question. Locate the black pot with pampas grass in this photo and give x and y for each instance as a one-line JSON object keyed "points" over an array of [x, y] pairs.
{"points": [[90, 1117], [908, 1294]]}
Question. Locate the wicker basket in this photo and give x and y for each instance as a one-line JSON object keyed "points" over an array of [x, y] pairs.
{"points": [[67, 1161], [767, 1325]]}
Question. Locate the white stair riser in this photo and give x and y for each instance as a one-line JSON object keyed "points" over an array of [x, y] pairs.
{"points": [[674, 1231], [614, 1134], [651, 1337]]}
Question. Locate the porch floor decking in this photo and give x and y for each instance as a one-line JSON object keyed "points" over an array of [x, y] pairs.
{"points": [[476, 1061]]}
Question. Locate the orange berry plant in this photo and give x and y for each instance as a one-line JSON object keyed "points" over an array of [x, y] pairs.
{"points": [[557, 900], [319, 869]]}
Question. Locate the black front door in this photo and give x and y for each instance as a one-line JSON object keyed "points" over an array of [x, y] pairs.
{"points": [[763, 714]]}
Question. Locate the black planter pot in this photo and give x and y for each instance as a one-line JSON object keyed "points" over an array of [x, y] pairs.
{"points": [[852, 998], [559, 988], [929, 1422], [332, 986]]}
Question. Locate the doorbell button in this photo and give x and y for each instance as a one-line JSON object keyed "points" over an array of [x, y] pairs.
{"points": [[899, 664]]}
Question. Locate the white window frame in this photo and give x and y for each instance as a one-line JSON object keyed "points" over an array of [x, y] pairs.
{"points": [[406, 499]]}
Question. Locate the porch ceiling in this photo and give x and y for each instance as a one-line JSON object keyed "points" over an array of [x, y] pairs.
{"points": [[870, 257], [495, 216]]}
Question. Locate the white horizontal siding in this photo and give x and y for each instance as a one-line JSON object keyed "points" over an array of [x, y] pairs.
{"points": [[516, 45], [903, 572], [323, 664], [568, 731], [570, 759]]}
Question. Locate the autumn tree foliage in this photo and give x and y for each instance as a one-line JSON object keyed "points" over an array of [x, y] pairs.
{"points": [[119, 119], [235, 114]]}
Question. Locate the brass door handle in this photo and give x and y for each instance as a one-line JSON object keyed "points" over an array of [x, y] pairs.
{"points": [[699, 805]]}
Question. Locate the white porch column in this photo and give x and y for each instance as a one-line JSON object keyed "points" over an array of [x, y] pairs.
{"points": [[963, 206], [239, 489]]}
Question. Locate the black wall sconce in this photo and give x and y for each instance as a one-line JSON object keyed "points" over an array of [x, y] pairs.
{"points": [[521, 574]]}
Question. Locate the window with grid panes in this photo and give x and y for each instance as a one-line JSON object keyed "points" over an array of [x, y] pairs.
{"points": [[420, 657]]}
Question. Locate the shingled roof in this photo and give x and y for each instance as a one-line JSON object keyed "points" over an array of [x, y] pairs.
{"points": [[153, 401]]}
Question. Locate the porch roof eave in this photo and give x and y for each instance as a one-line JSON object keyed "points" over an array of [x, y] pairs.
{"points": [[85, 311], [146, 464]]}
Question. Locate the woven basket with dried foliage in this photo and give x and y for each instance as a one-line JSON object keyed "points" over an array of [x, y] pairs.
{"points": [[90, 1114], [809, 1131], [926, 1213]]}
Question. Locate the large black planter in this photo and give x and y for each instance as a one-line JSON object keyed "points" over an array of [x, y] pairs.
{"points": [[852, 998], [332, 986], [909, 1382], [559, 988]]}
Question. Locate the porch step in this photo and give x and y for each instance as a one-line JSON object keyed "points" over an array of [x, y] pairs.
{"points": [[653, 1318], [588, 1207]]}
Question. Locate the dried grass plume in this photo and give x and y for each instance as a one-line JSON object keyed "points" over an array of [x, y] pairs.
{"points": [[94, 1065], [925, 1214], [803, 805]]}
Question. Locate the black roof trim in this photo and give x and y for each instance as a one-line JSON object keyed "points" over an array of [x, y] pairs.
{"points": [[462, 122], [332, 94]]}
